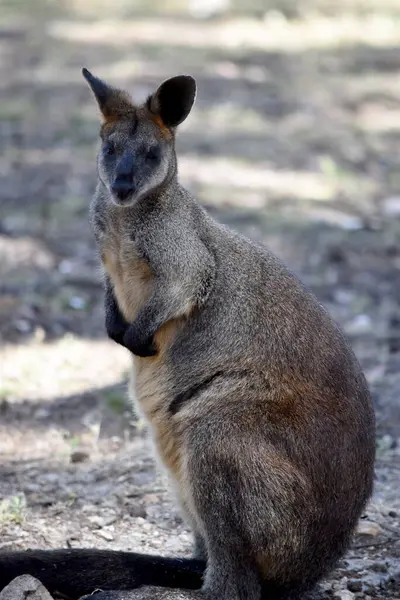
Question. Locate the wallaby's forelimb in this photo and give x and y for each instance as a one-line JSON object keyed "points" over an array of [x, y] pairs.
{"points": [[74, 573], [161, 307], [116, 325]]}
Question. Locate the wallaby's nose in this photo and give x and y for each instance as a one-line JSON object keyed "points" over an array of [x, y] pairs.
{"points": [[121, 188], [123, 185]]}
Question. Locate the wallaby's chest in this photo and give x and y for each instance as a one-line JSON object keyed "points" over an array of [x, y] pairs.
{"points": [[132, 280], [129, 273]]}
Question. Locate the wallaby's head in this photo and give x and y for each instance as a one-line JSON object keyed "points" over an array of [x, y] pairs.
{"points": [[137, 154]]}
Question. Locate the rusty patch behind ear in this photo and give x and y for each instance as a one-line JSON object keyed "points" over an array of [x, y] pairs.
{"points": [[118, 106], [157, 120], [107, 126]]}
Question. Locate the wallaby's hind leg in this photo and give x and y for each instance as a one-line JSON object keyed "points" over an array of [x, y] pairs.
{"points": [[231, 572], [249, 511]]}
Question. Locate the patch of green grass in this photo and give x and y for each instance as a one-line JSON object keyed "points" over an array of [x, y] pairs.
{"points": [[74, 442], [71, 498], [5, 392], [12, 509]]}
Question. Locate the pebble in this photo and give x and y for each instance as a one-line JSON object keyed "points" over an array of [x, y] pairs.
{"points": [[379, 567], [106, 535], [151, 498], [354, 585], [369, 528], [136, 511], [344, 595], [79, 456], [102, 521], [42, 413], [359, 325]]}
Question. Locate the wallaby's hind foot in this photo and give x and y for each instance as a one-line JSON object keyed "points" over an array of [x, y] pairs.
{"points": [[269, 592], [146, 593], [231, 580]]}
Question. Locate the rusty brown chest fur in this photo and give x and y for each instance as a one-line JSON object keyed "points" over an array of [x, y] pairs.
{"points": [[132, 278], [129, 273]]}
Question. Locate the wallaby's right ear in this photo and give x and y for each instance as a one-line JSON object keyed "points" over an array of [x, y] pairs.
{"points": [[173, 100], [113, 103]]}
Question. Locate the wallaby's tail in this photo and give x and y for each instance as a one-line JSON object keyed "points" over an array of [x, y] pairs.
{"points": [[74, 573]]}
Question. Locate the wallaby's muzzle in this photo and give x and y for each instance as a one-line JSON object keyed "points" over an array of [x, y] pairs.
{"points": [[123, 182], [122, 189]]}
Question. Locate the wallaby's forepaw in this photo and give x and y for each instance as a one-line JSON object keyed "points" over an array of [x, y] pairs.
{"points": [[116, 328], [139, 344]]}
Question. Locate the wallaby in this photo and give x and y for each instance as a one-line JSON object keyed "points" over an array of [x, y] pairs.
{"points": [[257, 406]]}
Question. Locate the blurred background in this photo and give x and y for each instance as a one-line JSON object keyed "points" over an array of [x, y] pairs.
{"points": [[294, 140]]}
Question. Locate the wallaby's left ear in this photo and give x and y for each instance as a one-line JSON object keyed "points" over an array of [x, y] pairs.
{"points": [[173, 100], [113, 103]]}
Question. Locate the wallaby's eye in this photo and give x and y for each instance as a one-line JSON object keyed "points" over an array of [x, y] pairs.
{"points": [[109, 148], [154, 154]]}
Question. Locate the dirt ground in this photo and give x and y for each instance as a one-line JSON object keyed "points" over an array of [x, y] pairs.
{"points": [[295, 140]]}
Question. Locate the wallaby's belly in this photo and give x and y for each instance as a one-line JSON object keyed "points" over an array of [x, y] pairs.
{"points": [[149, 392]]}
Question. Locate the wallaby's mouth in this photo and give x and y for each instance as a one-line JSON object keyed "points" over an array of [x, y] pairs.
{"points": [[122, 191]]}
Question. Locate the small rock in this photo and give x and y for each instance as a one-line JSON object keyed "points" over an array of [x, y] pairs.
{"points": [[344, 595], [105, 534], [385, 443], [379, 567], [42, 413], [368, 528], [77, 303], [359, 325], [25, 586], [135, 510], [79, 456], [151, 498], [354, 585], [375, 374], [97, 521], [325, 586], [349, 222], [22, 325], [102, 521]]}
